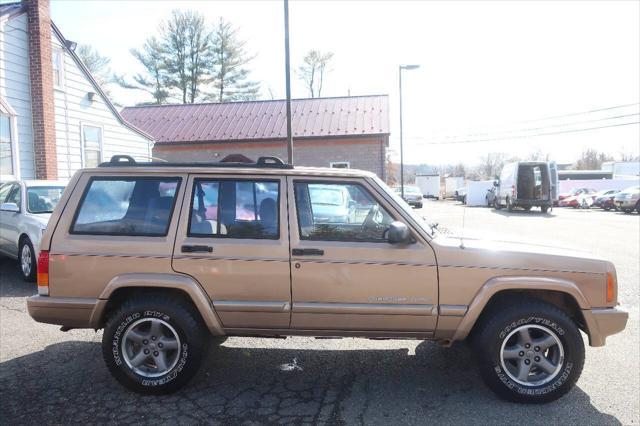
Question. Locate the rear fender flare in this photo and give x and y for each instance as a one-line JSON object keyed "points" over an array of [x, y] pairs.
{"points": [[173, 281], [497, 284]]}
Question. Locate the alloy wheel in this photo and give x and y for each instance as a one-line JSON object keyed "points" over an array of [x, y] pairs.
{"points": [[151, 347], [26, 260], [532, 355]]}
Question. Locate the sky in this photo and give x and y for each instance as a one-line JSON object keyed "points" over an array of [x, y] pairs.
{"points": [[491, 74]]}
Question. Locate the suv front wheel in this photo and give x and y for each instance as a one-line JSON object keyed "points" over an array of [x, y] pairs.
{"points": [[154, 344], [529, 351]]}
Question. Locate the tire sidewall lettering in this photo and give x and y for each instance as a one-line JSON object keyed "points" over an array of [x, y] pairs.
{"points": [[563, 375], [116, 348]]}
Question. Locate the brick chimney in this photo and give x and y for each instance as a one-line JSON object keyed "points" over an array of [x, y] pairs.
{"points": [[42, 100]]}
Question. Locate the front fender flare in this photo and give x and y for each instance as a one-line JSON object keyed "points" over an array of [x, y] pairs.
{"points": [[155, 280], [497, 284]]}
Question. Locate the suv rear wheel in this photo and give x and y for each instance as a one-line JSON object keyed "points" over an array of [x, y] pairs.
{"points": [[154, 344], [529, 352]]}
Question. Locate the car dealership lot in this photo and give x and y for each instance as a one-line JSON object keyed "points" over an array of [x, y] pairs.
{"points": [[56, 377]]}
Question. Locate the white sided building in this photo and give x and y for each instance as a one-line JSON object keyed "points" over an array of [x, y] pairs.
{"points": [[54, 117]]}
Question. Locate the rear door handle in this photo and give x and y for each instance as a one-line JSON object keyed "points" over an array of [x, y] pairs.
{"points": [[307, 252], [196, 249]]}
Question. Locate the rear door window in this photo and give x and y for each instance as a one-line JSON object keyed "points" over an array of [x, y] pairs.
{"points": [[227, 208], [138, 206]]}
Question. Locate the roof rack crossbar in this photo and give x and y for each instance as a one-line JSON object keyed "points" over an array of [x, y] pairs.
{"points": [[263, 162]]}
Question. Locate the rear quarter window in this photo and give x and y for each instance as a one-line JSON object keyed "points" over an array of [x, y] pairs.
{"points": [[136, 206]]}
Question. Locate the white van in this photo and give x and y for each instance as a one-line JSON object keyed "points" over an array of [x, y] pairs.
{"points": [[527, 184]]}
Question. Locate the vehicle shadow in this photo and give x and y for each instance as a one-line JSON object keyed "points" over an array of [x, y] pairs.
{"points": [[278, 384], [11, 282]]}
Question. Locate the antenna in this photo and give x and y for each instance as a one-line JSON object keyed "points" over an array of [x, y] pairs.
{"points": [[464, 211]]}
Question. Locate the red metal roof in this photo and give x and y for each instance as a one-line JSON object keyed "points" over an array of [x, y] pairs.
{"points": [[256, 120]]}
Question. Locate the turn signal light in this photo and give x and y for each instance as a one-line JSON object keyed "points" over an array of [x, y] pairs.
{"points": [[43, 273], [611, 287]]}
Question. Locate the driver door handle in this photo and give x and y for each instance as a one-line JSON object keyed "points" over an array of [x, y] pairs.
{"points": [[307, 252], [196, 249]]}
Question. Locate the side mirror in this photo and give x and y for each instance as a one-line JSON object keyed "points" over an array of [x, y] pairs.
{"points": [[495, 183], [10, 207], [398, 233]]}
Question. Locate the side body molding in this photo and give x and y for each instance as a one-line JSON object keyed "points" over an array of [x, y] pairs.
{"points": [[173, 281], [497, 284]]}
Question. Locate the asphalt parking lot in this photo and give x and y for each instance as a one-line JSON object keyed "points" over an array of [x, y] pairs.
{"points": [[47, 376]]}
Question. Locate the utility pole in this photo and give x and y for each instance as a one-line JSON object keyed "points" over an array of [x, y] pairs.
{"points": [[287, 67], [400, 68]]}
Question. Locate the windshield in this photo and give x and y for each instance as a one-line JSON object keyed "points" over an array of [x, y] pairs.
{"points": [[326, 195], [423, 222], [43, 199]]}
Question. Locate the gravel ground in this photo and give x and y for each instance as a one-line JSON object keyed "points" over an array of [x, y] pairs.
{"points": [[47, 376]]}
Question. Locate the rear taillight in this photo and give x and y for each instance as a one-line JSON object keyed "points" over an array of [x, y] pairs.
{"points": [[43, 273], [513, 191]]}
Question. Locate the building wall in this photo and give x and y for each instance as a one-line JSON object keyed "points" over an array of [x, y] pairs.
{"points": [[73, 108], [365, 153], [15, 88]]}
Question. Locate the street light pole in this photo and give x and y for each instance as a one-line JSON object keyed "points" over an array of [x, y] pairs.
{"points": [[287, 67], [400, 68]]}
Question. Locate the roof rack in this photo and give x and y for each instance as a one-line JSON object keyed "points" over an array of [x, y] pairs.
{"points": [[263, 163]]}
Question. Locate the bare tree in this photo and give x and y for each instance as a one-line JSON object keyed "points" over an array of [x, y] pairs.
{"points": [[591, 159], [97, 65], [186, 47], [491, 164], [151, 56], [313, 69], [230, 75]]}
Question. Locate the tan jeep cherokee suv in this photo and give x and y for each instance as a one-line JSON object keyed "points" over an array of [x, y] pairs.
{"points": [[162, 256]]}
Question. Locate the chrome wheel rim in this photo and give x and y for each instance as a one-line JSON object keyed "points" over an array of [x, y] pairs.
{"points": [[25, 260], [532, 355], [151, 347]]}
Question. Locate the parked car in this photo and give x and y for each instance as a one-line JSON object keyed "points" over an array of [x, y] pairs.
{"points": [[628, 200], [581, 197], [460, 194], [572, 194], [527, 184], [604, 199], [160, 278], [490, 198], [25, 208], [412, 195]]}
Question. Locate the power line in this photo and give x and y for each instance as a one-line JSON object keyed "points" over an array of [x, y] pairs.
{"points": [[546, 119], [580, 113], [529, 129], [527, 136]]}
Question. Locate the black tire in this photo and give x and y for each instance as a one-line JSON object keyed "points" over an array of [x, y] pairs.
{"points": [[419, 205], [607, 208], [496, 204], [544, 209], [192, 345], [627, 211], [488, 339], [25, 244], [510, 205]]}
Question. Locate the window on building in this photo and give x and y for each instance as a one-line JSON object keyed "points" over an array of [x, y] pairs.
{"points": [[6, 148], [129, 206], [235, 209], [339, 212], [58, 68], [92, 145], [339, 165]]}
